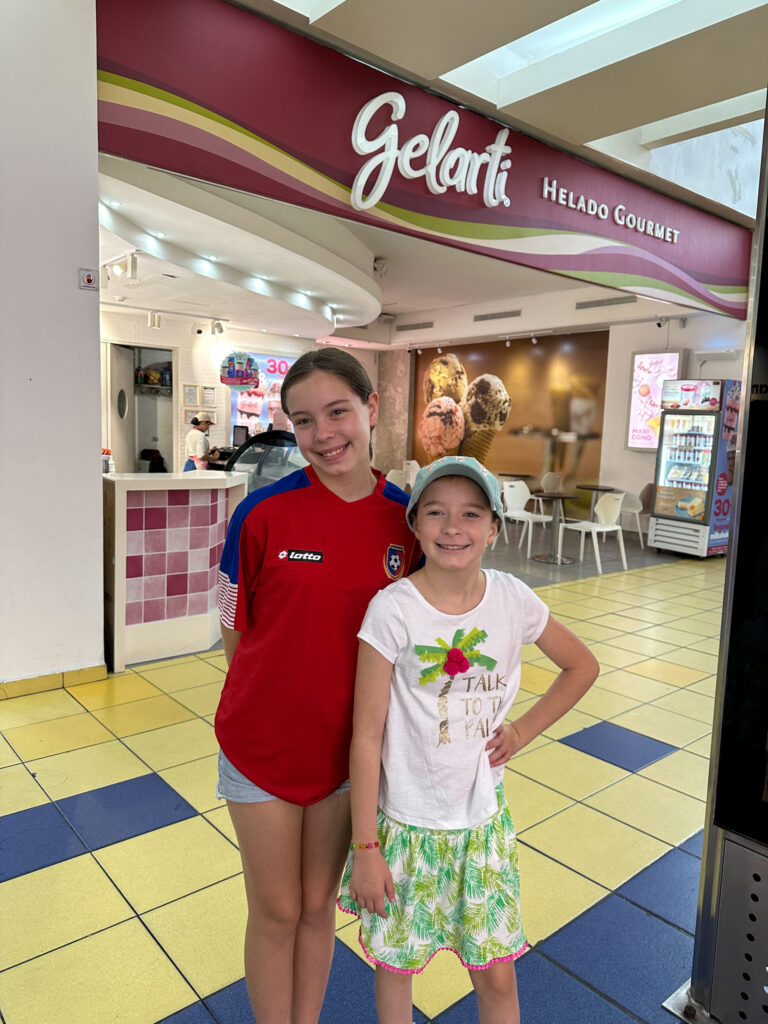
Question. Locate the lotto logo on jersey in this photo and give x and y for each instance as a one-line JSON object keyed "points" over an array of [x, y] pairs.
{"points": [[394, 561], [294, 555]]}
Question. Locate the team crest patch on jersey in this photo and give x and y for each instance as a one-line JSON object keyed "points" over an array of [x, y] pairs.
{"points": [[394, 561]]}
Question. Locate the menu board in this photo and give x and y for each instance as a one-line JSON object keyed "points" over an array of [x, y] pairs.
{"points": [[649, 371], [691, 395], [258, 405]]}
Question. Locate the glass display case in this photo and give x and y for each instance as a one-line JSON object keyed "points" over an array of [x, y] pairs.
{"points": [[266, 457]]}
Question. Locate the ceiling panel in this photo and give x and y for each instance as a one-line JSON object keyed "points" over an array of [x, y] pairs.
{"points": [[717, 63]]}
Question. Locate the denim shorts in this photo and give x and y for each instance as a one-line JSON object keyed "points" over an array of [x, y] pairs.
{"points": [[234, 786]]}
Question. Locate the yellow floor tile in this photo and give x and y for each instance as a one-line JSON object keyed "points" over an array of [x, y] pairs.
{"points": [[638, 688], [46, 738], [597, 846], [7, 755], [708, 645], [684, 771], [641, 645], [591, 631], [702, 746], [573, 721], [18, 790], [54, 906], [575, 610], [141, 715], [646, 615], [150, 666], [37, 707], [566, 770], [217, 652], [665, 672], [706, 663], [160, 866], [669, 635], [221, 820], [443, 983], [614, 657], [618, 623], [196, 672], [713, 603], [219, 660], [78, 771], [535, 679], [174, 744], [529, 801], [698, 625], [692, 705], [203, 934], [662, 725], [116, 690], [196, 781], [706, 686], [604, 704], [652, 808], [119, 974], [203, 700], [551, 894]]}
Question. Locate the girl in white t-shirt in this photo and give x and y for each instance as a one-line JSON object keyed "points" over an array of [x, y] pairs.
{"points": [[433, 862]]}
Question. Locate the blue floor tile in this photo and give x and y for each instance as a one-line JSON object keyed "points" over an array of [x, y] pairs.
{"points": [[694, 845], [230, 1005], [635, 959], [127, 809], [669, 889], [34, 839], [547, 996], [619, 746], [194, 1014]]}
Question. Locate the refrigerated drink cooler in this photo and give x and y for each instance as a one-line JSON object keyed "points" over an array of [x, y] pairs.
{"points": [[698, 435]]}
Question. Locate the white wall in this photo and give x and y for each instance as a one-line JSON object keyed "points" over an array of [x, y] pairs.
{"points": [[632, 470]]}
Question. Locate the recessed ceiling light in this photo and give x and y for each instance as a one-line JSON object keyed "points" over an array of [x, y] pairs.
{"points": [[211, 259], [159, 234], [113, 203]]}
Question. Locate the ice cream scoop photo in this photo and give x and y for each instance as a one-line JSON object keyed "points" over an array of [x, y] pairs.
{"points": [[485, 407], [445, 376], [441, 427]]}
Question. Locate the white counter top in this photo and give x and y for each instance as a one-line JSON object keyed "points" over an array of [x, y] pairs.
{"points": [[193, 479]]}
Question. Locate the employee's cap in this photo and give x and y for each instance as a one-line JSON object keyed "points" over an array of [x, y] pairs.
{"points": [[457, 465], [203, 417]]}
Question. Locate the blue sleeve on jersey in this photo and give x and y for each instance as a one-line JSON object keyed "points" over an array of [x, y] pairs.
{"points": [[230, 556], [394, 493]]}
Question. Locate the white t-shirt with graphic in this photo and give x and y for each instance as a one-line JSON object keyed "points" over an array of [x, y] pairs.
{"points": [[454, 680]]}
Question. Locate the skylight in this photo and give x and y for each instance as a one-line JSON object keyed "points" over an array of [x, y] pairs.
{"points": [[594, 37]]}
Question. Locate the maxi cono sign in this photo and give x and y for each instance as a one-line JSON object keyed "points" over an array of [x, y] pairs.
{"points": [[207, 89]]}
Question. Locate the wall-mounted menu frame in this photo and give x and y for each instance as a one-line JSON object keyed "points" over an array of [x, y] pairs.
{"points": [[191, 394], [207, 397]]}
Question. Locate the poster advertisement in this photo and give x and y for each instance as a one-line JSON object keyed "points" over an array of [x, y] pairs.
{"points": [[649, 371], [691, 395], [258, 405], [722, 498]]}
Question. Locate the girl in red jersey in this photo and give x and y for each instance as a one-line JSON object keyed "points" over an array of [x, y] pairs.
{"points": [[302, 559]]}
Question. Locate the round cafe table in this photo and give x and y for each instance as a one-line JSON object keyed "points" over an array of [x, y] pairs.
{"points": [[596, 490], [557, 498]]}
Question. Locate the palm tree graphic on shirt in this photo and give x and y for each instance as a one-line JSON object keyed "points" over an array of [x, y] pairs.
{"points": [[451, 660]]}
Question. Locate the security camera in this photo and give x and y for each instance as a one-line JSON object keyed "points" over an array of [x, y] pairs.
{"points": [[659, 323], [199, 330]]}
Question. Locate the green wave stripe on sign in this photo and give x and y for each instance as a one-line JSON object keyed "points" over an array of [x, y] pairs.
{"points": [[132, 85], [625, 281]]}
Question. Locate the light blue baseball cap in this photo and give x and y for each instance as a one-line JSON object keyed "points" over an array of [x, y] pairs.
{"points": [[458, 465]]}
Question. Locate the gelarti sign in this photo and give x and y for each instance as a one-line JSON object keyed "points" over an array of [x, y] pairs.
{"points": [[204, 88]]}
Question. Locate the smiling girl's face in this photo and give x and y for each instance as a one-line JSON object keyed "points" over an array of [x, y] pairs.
{"points": [[454, 523], [332, 425]]}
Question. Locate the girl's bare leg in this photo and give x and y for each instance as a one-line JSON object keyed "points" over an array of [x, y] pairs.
{"points": [[496, 991], [325, 842], [394, 997], [269, 836]]}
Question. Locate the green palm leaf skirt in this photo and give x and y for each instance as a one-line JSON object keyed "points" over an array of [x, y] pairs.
{"points": [[457, 890]]}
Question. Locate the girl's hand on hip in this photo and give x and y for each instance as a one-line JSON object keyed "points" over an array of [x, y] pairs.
{"points": [[504, 742], [370, 883]]}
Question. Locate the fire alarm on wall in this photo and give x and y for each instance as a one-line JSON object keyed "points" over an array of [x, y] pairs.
{"points": [[89, 279]]}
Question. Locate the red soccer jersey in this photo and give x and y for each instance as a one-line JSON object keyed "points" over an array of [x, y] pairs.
{"points": [[298, 570]]}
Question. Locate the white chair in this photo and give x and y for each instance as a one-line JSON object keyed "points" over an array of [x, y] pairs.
{"points": [[398, 478], [607, 512], [410, 468], [549, 482], [516, 495], [632, 506]]}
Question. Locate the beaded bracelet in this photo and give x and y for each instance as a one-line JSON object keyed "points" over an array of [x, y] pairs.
{"points": [[363, 846]]}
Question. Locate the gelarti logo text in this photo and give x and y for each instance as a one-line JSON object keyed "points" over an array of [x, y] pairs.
{"points": [[443, 167]]}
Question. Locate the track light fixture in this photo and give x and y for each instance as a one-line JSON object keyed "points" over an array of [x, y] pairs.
{"points": [[153, 320], [508, 343], [126, 266], [216, 327], [439, 350], [534, 340]]}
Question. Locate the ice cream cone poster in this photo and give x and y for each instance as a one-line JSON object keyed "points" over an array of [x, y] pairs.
{"points": [[257, 404], [649, 371], [461, 417]]}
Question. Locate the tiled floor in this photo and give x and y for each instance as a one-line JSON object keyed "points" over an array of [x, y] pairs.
{"points": [[121, 898]]}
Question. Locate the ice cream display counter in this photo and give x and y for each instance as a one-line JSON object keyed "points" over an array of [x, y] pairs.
{"points": [[163, 536]]}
